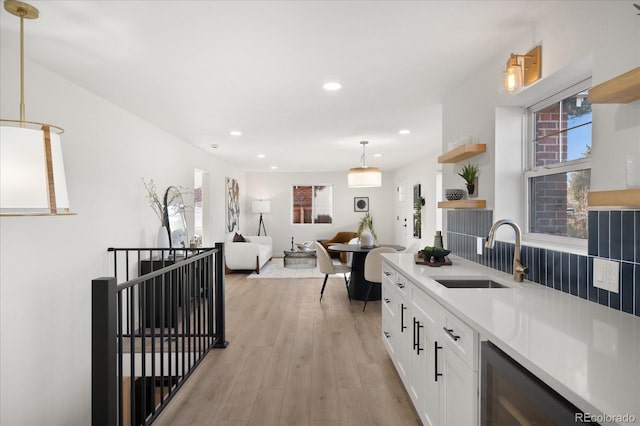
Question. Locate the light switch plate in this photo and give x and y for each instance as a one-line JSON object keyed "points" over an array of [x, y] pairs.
{"points": [[606, 274], [479, 245]]}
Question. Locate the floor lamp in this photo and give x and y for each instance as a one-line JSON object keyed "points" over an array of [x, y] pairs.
{"points": [[261, 206]]}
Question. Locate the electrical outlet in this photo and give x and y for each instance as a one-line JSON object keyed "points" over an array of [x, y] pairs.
{"points": [[479, 245], [606, 274]]}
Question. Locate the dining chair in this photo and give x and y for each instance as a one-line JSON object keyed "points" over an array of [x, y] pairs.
{"points": [[349, 254], [373, 269], [327, 267]]}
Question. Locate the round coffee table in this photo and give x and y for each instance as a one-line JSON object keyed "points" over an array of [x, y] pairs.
{"points": [[296, 259]]}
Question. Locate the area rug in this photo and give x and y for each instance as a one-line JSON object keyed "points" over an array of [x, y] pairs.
{"points": [[275, 269]]}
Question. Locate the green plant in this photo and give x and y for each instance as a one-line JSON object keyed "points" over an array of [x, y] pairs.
{"points": [[469, 172], [367, 222], [418, 230]]}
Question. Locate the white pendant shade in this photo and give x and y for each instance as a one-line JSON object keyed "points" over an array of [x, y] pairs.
{"points": [[27, 186], [364, 177]]}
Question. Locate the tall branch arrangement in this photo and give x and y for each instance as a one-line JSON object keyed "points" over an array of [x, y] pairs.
{"points": [[153, 200]]}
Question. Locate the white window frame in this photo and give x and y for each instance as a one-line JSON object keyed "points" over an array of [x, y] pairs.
{"points": [[577, 245], [313, 204]]}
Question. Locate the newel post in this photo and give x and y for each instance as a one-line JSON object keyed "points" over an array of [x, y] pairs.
{"points": [[104, 390]]}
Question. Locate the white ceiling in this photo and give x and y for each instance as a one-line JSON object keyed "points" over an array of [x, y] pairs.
{"points": [[199, 69]]}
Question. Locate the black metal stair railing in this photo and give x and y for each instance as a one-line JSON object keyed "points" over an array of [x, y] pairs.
{"points": [[153, 322]]}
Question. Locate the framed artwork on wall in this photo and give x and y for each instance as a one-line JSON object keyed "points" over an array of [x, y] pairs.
{"points": [[418, 202], [233, 205], [360, 204]]}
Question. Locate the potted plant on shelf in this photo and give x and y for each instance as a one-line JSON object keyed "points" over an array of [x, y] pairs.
{"points": [[469, 173], [365, 231]]}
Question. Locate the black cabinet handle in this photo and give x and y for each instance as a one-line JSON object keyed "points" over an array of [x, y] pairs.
{"points": [[435, 351], [402, 326], [387, 273], [417, 344], [450, 333], [387, 334], [400, 285], [387, 300]]}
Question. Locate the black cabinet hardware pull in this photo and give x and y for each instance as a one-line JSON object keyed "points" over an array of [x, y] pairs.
{"points": [[450, 333], [387, 300], [435, 351], [402, 326], [387, 273], [400, 285], [387, 334], [414, 334], [419, 326]]}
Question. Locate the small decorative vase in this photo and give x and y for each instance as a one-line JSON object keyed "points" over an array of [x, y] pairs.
{"points": [[471, 187], [163, 241], [366, 238]]}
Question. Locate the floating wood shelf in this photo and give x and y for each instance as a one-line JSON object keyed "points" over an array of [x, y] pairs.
{"points": [[620, 197], [622, 89], [463, 204], [462, 152]]}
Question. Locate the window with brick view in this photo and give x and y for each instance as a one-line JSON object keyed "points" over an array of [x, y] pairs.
{"points": [[312, 204], [559, 179]]}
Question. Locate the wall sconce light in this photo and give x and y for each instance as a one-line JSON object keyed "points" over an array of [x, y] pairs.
{"points": [[523, 70], [32, 178]]}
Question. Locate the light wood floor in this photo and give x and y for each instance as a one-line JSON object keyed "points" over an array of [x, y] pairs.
{"points": [[294, 361]]}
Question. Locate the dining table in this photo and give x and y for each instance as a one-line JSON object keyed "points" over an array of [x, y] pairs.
{"points": [[358, 285]]}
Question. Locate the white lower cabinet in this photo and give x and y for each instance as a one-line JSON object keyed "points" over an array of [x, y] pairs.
{"points": [[435, 353], [459, 399]]}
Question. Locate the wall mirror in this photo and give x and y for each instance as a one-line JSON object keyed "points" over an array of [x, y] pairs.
{"points": [[175, 218]]}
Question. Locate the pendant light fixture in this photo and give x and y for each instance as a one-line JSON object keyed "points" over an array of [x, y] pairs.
{"points": [[32, 178], [363, 176]]}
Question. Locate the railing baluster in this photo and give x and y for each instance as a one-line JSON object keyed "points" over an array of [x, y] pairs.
{"points": [[120, 362], [132, 351]]}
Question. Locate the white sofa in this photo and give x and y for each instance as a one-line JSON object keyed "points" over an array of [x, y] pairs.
{"points": [[250, 255]]}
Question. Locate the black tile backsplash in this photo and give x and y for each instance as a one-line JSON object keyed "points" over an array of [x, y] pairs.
{"points": [[613, 235]]}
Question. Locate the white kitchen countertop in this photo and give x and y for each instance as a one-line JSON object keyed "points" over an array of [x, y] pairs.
{"points": [[587, 352]]}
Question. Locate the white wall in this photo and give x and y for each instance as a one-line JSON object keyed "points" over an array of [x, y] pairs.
{"points": [[277, 187], [572, 48], [47, 263], [421, 171]]}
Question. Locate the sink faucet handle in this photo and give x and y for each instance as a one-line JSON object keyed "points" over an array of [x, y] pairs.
{"points": [[490, 243], [521, 269]]}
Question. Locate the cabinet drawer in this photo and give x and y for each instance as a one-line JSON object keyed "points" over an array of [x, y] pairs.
{"points": [[432, 311], [461, 339], [388, 337], [388, 298], [389, 272], [402, 285]]}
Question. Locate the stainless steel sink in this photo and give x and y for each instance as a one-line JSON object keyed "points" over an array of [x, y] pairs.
{"points": [[470, 283]]}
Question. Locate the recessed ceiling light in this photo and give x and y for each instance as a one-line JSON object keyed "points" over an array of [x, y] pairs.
{"points": [[261, 155], [235, 133], [404, 131], [274, 167], [332, 86], [377, 155]]}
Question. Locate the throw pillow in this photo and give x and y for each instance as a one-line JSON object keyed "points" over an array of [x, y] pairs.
{"points": [[238, 238]]}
